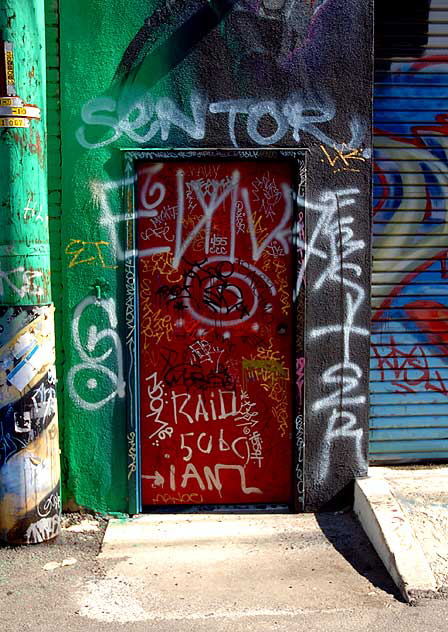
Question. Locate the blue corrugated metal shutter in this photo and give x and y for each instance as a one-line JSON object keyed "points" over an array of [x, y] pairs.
{"points": [[409, 350]]}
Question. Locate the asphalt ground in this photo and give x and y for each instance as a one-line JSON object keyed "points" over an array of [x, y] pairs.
{"points": [[188, 573]]}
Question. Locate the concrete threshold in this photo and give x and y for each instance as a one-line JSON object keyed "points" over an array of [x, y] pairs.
{"points": [[243, 569], [390, 533], [123, 536]]}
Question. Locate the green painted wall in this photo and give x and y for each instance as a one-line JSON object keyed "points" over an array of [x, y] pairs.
{"points": [[93, 36], [190, 73]]}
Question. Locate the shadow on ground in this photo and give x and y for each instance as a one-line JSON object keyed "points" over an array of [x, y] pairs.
{"points": [[344, 532]]}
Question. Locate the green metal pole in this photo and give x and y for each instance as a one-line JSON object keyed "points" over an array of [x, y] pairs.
{"points": [[29, 452]]}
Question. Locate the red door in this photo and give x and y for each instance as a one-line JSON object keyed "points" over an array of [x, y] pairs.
{"points": [[215, 272]]}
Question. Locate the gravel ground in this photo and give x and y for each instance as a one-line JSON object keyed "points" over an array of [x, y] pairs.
{"points": [[35, 579], [80, 539]]}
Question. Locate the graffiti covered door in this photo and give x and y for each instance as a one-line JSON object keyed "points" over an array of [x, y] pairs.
{"points": [[215, 271]]}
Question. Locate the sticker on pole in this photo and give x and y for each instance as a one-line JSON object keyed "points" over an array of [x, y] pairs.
{"points": [[14, 122], [11, 102], [13, 111], [9, 66], [28, 111]]}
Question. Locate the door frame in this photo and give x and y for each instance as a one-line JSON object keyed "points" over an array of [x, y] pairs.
{"points": [[297, 158]]}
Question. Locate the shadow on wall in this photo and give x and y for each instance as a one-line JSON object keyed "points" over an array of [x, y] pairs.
{"points": [[409, 40]]}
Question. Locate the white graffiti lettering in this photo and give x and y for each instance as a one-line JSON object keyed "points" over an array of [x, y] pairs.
{"points": [[92, 367], [205, 443], [219, 191], [43, 529], [333, 230], [146, 118], [156, 393], [210, 478], [24, 285]]}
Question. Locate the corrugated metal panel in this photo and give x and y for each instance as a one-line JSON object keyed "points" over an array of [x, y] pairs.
{"points": [[409, 350]]}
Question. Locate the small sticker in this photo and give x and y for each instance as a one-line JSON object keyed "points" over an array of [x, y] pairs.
{"points": [[23, 344], [21, 375], [9, 56], [14, 122], [11, 102], [28, 111]]}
